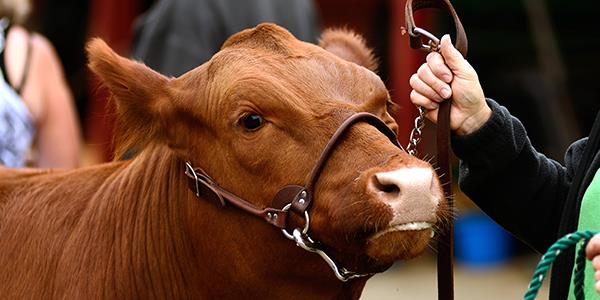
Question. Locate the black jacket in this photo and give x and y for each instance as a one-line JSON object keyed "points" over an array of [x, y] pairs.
{"points": [[534, 197]]}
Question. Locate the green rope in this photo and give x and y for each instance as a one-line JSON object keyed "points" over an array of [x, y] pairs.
{"points": [[543, 266]]}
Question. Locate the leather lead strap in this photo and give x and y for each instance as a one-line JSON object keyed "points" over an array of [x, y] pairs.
{"points": [[445, 242]]}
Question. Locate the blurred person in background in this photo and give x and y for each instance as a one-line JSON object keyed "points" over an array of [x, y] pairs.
{"points": [[174, 37], [534, 197], [38, 123]]}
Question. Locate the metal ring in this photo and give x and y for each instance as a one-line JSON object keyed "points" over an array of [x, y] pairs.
{"points": [[429, 35], [306, 223], [305, 242]]}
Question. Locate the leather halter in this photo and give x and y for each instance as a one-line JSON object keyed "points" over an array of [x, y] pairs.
{"points": [[290, 198]]}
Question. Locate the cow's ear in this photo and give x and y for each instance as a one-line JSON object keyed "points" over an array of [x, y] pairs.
{"points": [[349, 46], [140, 94]]}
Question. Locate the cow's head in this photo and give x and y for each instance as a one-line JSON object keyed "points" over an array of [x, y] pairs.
{"points": [[256, 118]]}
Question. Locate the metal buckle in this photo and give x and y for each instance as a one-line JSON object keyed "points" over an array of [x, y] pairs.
{"points": [[306, 223], [433, 44]]}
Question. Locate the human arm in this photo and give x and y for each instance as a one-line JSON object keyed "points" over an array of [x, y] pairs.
{"points": [[58, 138], [174, 37], [520, 188], [32, 65]]}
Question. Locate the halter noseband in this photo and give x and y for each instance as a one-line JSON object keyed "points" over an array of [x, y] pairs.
{"points": [[290, 198]]}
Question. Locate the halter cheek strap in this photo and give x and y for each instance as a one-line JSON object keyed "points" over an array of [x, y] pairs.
{"points": [[298, 197]]}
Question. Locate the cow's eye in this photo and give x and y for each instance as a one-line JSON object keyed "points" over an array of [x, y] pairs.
{"points": [[252, 121]]}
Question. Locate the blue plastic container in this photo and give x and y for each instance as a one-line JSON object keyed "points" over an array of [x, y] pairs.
{"points": [[479, 242]]}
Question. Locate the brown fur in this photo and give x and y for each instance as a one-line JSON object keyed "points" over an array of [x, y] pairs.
{"points": [[132, 229]]}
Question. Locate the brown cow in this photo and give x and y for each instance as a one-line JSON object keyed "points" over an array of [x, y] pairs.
{"points": [[255, 118]]}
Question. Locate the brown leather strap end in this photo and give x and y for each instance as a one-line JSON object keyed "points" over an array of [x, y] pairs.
{"points": [[200, 186], [204, 188]]}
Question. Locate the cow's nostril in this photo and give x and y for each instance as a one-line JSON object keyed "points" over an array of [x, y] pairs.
{"points": [[385, 186]]}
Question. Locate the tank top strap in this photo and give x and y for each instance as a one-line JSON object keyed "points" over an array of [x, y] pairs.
{"points": [[5, 27], [24, 77]]}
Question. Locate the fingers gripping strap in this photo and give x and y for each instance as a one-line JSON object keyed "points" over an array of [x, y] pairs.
{"points": [[444, 5]]}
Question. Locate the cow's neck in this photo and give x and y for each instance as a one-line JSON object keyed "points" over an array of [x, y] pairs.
{"points": [[134, 223], [170, 244]]}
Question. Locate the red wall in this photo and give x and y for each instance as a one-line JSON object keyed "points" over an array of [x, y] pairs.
{"points": [[112, 21]]}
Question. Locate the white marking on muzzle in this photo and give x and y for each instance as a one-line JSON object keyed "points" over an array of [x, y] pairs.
{"points": [[413, 226], [414, 201]]}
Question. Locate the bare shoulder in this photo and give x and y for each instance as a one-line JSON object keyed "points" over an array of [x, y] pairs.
{"points": [[17, 36], [43, 50], [20, 39], [15, 53], [20, 43]]}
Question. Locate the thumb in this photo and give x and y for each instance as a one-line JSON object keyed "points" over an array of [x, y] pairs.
{"points": [[453, 58]]}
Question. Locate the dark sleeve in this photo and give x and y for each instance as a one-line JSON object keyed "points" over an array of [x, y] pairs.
{"points": [[174, 37], [518, 187]]}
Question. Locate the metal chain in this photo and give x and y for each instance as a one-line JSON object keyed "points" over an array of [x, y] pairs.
{"points": [[416, 132], [433, 45], [305, 242]]}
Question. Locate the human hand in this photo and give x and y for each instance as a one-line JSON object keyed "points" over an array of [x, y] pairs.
{"points": [[448, 74], [592, 252]]}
